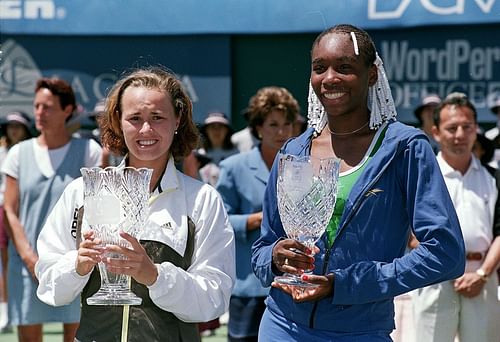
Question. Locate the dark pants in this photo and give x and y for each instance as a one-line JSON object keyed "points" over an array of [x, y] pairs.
{"points": [[245, 314]]}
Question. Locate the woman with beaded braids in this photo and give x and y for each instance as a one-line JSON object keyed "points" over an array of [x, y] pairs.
{"points": [[390, 185]]}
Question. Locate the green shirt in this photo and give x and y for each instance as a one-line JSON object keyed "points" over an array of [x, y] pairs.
{"points": [[346, 182]]}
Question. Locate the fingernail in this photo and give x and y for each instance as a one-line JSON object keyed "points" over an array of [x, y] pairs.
{"points": [[305, 277], [308, 251]]}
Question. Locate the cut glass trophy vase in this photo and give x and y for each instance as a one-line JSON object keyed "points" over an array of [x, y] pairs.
{"points": [[307, 192], [115, 199]]}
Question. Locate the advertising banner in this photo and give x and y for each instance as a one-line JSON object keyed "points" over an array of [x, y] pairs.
{"points": [[120, 17], [440, 61], [92, 64]]}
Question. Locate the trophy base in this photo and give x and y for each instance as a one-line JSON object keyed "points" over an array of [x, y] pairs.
{"points": [[293, 280], [114, 297]]}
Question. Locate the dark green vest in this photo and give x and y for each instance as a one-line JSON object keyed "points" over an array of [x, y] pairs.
{"points": [[147, 322]]}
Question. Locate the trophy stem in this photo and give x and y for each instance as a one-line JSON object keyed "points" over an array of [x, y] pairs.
{"points": [[114, 296], [114, 290]]}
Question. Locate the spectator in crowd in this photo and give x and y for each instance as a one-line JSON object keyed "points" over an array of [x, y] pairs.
{"points": [[193, 162], [216, 134], [494, 133], [299, 126], [37, 170], [484, 149], [425, 114], [466, 307], [242, 182], [86, 123], [243, 139], [389, 185], [16, 127], [183, 266], [216, 140]]}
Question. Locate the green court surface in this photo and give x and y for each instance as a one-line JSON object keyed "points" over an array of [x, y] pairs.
{"points": [[53, 333]]}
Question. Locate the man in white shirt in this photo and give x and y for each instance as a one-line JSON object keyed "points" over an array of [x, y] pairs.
{"points": [[466, 307]]}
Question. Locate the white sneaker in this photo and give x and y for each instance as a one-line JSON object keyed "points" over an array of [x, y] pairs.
{"points": [[224, 318], [4, 319], [207, 333]]}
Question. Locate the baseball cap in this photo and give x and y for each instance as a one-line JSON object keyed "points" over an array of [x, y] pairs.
{"points": [[18, 117], [216, 117], [428, 100]]}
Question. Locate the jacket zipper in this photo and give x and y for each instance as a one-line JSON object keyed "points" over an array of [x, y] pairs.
{"points": [[315, 307], [348, 219]]}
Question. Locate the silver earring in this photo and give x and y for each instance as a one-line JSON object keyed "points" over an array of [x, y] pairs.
{"points": [[175, 132]]}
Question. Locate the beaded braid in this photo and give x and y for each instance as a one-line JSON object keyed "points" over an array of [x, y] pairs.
{"points": [[316, 116]]}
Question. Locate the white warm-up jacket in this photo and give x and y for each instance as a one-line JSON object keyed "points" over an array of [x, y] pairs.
{"points": [[199, 293]]}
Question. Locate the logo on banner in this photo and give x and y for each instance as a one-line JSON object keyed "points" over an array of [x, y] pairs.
{"points": [[374, 12], [19, 73], [31, 9], [456, 65]]}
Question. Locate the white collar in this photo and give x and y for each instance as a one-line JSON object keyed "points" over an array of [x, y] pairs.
{"points": [[447, 170], [169, 180]]}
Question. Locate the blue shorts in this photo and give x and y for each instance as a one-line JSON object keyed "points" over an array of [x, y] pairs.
{"points": [[278, 328]]}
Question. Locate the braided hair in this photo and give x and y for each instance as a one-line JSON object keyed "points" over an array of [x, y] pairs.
{"points": [[366, 46]]}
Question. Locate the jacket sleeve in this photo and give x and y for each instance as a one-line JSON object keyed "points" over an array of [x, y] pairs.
{"points": [[226, 186], [58, 282], [201, 292], [440, 255]]}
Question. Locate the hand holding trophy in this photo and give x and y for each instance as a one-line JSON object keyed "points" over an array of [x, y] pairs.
{"points": [[115, 199], [307, 192]]}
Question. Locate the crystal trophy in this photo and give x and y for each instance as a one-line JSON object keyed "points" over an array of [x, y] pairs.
{"points": [[307, 192], [115, 199]]}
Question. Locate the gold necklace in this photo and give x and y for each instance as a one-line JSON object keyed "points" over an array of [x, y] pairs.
{"points": [[347, 133]]}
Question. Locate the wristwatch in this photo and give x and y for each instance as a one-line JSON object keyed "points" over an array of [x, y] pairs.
{"points": [[480, 272]]}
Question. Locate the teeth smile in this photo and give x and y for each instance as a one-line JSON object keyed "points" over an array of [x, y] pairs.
{"points": [[146, 142], [333, 96]]}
